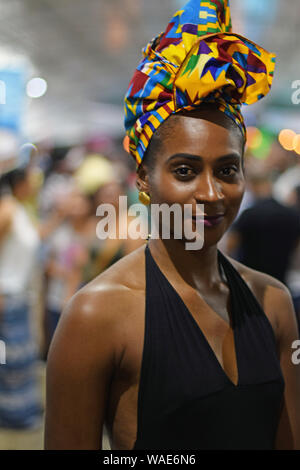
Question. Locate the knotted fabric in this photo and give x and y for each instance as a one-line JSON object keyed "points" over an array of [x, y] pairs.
{"points": [[197, 59]]}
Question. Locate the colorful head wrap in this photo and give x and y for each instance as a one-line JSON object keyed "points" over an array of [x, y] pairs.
{"points": [[197, 59]]}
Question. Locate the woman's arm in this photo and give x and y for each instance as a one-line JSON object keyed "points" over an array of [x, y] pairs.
{"points": [[288, 436], [79, 371]]}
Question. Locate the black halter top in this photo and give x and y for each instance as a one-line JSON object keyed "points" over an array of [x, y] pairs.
{"points": [[186, 400]]}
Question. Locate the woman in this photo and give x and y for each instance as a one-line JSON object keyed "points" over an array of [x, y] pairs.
{"points": [[182, 349], [20, 402]]}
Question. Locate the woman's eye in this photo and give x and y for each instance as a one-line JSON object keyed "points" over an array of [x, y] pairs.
{"points": [[229, 171], [184, 171]]}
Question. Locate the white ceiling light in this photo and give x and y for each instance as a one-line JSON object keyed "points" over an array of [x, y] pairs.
{"points": [[36, 87]]}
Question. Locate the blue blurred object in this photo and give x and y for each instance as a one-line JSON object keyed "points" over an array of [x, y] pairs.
{"points": [[259, 14], [12, 101], [266, 9]]}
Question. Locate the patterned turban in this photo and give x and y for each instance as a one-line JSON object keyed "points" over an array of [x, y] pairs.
{"points": [[197, 59]]}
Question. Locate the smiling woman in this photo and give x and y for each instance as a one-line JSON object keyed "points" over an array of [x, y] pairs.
{"points": [[181, 349], [199, 160]]}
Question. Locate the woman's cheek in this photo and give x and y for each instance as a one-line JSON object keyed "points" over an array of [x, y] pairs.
{"points": [[234, 206]]}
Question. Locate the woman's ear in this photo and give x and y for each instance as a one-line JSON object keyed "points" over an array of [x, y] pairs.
{"points": [[142, 180]]}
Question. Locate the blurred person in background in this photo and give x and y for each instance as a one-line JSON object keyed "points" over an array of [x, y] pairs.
{"points": [[288, 180], [102, 181], [59, 180], [278, 161], [67, 254], [110, 250], [21, 293], [265, 236], [293, 276], [20, 401], [74, 253]]}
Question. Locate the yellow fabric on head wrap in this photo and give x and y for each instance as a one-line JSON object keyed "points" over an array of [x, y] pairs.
{"points": [[196, 60]]}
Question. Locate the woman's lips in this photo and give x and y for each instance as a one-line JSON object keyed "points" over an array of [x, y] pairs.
{"points": [[210, 221]]}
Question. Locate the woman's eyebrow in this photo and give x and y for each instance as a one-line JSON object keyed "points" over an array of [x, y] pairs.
{"points": [[188, 156], [230, 156]]}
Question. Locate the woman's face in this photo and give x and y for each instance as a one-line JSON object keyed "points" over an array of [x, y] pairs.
{"points": [[200, 162]]}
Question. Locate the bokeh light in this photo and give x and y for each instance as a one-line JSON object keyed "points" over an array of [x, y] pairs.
{"points": [[286, 138], [297, 144], [36, 87], [254, 138], [126, 144]]}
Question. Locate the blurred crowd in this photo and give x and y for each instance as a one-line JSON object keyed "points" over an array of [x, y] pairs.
{"points": [[266, 233], [49, 248]]}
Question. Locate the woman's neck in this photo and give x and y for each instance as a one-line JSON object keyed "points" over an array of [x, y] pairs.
{"points": [[198, 268]]}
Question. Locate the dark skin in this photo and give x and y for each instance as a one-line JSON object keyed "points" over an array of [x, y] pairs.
{"points": [[95, 359]]}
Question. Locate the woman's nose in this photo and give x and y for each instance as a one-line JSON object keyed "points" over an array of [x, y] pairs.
{"points": [[208, 189]]}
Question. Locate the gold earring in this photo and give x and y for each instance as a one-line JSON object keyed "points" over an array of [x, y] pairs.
{"points": [[144, 198]]}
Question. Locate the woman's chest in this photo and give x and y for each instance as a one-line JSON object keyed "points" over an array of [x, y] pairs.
{"points": [[218, 339]]}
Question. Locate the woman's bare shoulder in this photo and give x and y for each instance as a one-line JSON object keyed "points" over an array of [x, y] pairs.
{"points": [[94, 319], [258, 281], [128, 273], [117, 286], [273, 296]]}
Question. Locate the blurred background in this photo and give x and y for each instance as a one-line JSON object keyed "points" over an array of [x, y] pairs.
{"points": [[64, 69]]}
